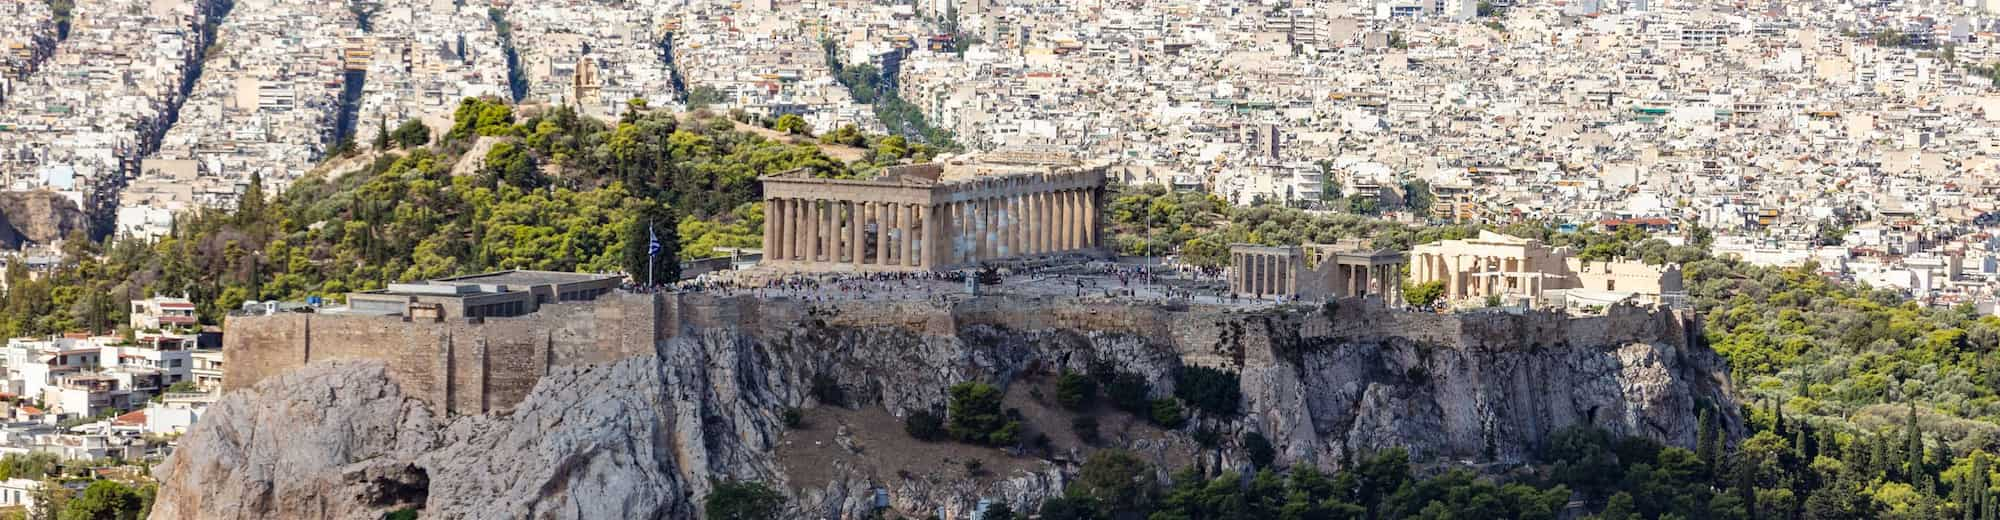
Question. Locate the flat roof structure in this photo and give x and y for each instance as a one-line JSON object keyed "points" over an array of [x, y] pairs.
{"points": [[495, 294]]}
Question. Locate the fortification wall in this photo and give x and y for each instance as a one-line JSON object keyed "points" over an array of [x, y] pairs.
{"points": [[469, 366], [475, 366]]}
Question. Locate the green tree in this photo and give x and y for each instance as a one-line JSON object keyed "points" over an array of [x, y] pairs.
{"points": [[50, 500], [741, 500], [103, 500], [411, 134], [1075, 391], [974, 416], [793, 124], [1211, 390], [1115, 481], [1423, 294], [703, 96], [1258, 449], [998, 510], [381, 141]]}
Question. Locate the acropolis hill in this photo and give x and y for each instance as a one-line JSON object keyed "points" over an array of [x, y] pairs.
{"points": [[1322, 381]]}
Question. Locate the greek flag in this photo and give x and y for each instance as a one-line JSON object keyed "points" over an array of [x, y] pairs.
{"points": [[653, 241]]}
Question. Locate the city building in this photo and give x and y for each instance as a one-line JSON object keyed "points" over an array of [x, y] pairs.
{"points": [[160, 312]]}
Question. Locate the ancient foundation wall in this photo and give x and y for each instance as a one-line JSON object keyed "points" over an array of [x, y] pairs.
{"points": [[468, 365], [475, 366]]}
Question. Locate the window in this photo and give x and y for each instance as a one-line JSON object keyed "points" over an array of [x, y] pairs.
{"points": [[174, 363]]}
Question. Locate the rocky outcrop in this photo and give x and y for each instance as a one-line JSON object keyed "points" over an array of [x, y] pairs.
{"points": [[326, 441], [646, 436], [37, 217]]}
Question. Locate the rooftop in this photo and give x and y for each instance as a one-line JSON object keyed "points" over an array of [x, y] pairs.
{"points": [[519, 277]]}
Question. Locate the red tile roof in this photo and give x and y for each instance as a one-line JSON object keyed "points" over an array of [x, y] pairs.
{"points": [[134, 418]]}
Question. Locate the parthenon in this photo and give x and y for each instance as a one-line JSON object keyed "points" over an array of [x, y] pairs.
{"points": [[958, 212]]}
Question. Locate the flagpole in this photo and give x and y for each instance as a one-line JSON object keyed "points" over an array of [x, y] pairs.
{"points": [[653, 242]]}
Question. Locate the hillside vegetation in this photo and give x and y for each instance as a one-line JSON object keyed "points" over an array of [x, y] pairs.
{"points": [[556, 191]]}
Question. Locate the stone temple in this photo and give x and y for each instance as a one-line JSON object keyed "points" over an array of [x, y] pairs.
{"points": [[960, 212]]}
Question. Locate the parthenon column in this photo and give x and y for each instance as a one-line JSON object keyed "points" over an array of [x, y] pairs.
{"points": [[1089, 217], [812, 239], [1044, 229], [879, 214], [961, 228], [1007, 245], [1022, 224], [1066, 201], [1076, 219], [1064, 230], [770, 229], [930, 242], [991, 213], [839, 252], [857, 221], [830, 232]]}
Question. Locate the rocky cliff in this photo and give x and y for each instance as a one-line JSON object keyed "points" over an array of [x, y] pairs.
{"points": [[38, 217], [645, 436]]}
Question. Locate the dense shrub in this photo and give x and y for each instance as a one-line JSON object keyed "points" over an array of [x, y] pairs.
{"points": [[827, 390], [924, 426], [1207, 389], [1167, 413], [1129, 392], [1085, 428], [1259, 449], [736, 500], [1075, 391], [975, 416]]}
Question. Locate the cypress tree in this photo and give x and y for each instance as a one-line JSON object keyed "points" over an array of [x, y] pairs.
{"points": [[1708, 444], [1778, 421], [1913, 447]]}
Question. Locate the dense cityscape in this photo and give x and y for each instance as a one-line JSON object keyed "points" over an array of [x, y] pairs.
{"points": [[998, 259]]}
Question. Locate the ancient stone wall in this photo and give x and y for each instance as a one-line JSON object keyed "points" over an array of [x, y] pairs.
{"points": [[475, 366], [467, 365]]}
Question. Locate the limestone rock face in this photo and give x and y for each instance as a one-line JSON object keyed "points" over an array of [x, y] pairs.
{"points": [[645, 437], [37, 217], [326, 441]]}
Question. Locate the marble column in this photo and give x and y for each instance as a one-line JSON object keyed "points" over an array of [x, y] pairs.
{"points": [[1044, 224], [1065, 222], [1004, 245], [1249, 276], [992, 214], [812, 237], [961, 222], [1076, 219], [838, 251], [875, 216], [1089, 217], [797, 223], [930, 234], [770, 229]]}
